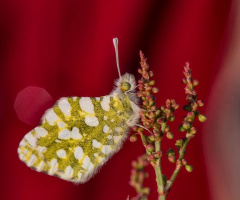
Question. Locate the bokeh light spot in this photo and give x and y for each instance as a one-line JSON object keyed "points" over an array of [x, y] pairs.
{"points": [[31, 103]]}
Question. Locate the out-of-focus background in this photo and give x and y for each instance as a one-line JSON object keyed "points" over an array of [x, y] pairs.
{"points": [[65, 47]]}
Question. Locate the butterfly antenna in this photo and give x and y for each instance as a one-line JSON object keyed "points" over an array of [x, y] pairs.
{"points": [[115, 43]]}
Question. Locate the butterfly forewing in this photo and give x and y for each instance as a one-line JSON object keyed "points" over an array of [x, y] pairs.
{"points": [[77, 136]]}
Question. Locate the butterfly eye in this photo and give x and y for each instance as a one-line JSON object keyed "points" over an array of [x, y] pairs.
{"points": [[125, 86]]}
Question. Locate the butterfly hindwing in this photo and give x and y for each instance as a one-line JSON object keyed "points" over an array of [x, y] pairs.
{"points": [[77, 136]]}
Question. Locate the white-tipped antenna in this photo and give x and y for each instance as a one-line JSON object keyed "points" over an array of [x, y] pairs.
{"points": [[115, 43]]}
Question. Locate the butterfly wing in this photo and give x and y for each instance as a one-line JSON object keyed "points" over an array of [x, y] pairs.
{"points": [[77, 136]]}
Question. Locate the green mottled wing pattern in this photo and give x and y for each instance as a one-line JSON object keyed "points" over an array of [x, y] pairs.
{"points": [[77, 136]]}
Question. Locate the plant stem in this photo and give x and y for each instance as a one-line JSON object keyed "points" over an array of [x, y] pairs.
{"points": [[183, 149], [143, 140], [162, 197], [158, 172], [178, 166], [174, 175]]}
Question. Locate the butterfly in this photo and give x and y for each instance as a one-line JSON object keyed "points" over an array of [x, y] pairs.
{"points": [[79, 134]]}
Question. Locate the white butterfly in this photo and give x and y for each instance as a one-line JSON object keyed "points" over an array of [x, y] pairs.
{"points": [[79, 134]]}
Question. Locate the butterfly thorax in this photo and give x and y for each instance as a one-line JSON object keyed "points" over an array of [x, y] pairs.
{"points": [[123, 106]]}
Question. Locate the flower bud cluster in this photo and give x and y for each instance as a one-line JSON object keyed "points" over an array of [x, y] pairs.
{"points": [[152, 117], [192, 105], [137, 177], [155, 120], [192, 111]]}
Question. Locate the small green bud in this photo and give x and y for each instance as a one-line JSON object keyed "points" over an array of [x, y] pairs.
{"points": [[189, 168], [166, 128], [158, 112], [139, 167], [145, 75], [152, 83], [169, 135], [140, 71], [149, 98], [193, 130], [180, 128], [163, 108], [189, 135], [172, 158], [170, 152], [155, 90], [191, 115], [143, 98], [202, 118], [151, 138], [150, 114], [171, 119], [176, 106], [146, 66], [179, 143], [150, 157], [150, 148], [186, 125], [153, 107], [151, 103], [133, 138], [195, 82], [168, 103], [163, 125], [184, 81], [148, 88], [145, 103], [194, 108], [151, 73], [200, 103]]}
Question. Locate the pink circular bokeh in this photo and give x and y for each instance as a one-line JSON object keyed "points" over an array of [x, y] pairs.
{"points": [[31, 103]]}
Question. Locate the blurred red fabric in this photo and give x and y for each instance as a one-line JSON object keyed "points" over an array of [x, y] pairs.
{"points": [[66, 48]]}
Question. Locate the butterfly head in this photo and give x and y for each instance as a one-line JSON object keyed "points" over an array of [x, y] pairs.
{"points": [[126, 83], [125, 86]]}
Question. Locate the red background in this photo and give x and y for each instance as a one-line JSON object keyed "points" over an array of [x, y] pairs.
{"points": [[65, 47]]}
